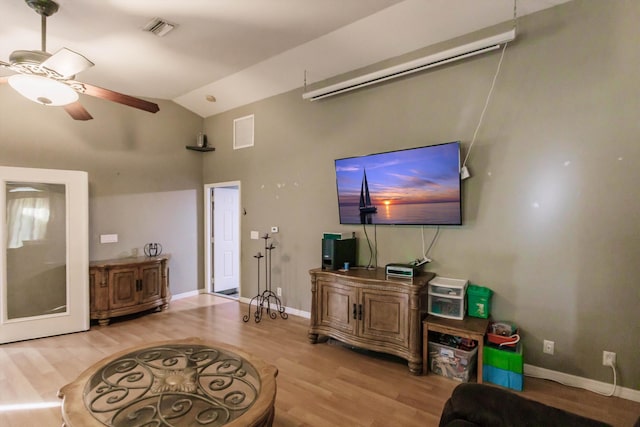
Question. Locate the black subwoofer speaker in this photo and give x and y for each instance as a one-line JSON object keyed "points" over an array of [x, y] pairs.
{"points": [[336, 252]]}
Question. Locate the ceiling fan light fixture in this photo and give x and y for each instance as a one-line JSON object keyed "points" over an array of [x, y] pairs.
{"points": [[42, 90]]}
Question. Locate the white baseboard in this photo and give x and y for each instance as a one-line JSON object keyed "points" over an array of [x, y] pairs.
{"points": [[580, 382], [186, 294], [299, 313]]}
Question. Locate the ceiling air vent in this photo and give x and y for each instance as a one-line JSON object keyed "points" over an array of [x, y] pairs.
{"points": [[159, 27]]}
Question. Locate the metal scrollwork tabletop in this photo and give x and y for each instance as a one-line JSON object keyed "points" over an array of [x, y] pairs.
{"points": [[184, 383]]}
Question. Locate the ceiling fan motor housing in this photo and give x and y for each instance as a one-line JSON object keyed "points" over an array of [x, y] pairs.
{"points": [[30, 62], [43, 7], [20, 57]]}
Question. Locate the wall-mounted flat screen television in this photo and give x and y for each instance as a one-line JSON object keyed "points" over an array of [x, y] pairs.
{"points": [[417, 186]]}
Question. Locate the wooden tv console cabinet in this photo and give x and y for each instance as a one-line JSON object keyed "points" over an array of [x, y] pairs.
{"points": [[366, 309], [118, 287]]}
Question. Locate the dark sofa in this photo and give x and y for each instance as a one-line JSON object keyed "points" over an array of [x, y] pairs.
{"points": [[483, 405]]}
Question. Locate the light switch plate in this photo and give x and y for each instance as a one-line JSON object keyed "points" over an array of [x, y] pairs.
{"points": [[108, 238]]}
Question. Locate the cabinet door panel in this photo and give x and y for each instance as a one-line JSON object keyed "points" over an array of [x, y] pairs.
{"points": [[123, 287], [150, 282], [336, 306], [385, 316]]}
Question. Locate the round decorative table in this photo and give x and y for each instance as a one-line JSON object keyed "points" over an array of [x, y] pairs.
{"points": [[173, 383]]}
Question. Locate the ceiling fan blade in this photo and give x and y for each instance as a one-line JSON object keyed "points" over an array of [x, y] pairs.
{"points": [[67, 62], [77, 111], [120, 98]]}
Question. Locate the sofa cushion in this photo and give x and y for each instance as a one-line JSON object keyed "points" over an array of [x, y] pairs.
{"points": [[490, 406]]}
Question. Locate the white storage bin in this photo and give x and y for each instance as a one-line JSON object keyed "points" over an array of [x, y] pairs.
{"points": [[448, 287], [447, 297], [452, 362]]}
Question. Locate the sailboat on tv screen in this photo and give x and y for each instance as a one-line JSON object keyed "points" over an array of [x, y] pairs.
{"points": [[365, 198]]}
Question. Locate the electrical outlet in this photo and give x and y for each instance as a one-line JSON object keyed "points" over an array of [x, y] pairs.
{"points": [[548, 346], [608, 358], [279, 291]]}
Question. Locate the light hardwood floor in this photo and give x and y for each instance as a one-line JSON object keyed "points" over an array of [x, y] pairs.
{"points": [[324, 384]]}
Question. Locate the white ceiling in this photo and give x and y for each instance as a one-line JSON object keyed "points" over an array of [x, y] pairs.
{"points": [[241, 51]]}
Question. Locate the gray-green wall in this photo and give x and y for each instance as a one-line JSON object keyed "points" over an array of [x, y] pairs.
{"points": [[143, 184], [551, 214]]}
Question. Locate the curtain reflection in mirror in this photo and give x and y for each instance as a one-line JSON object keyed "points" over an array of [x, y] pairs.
{"points": [[36, 249], [27, 218]]}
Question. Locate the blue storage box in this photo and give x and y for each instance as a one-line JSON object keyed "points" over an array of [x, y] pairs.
{"points": [[501, 377]]}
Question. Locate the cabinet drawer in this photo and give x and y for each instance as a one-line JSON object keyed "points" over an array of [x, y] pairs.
{"points": [[451, 308], [448, 287]]}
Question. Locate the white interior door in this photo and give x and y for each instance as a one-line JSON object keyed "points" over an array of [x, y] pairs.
{"points": [[225, 239], [44, 253], [222, 236]]}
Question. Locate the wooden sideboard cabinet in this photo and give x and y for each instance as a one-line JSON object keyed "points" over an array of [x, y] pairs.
{"points": [[124, 286], [366, 309]]}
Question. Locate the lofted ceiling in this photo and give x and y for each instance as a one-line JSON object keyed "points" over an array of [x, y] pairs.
{"points": [[240, 51]]}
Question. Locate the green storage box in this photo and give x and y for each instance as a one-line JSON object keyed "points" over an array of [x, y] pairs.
{"points": [[479, 301], [507, 360]]}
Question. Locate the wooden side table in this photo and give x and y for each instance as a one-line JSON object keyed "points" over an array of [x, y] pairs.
{"points": [[470, 327]]}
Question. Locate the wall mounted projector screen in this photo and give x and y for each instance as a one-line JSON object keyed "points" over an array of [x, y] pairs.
{"points": [[417, 186]]}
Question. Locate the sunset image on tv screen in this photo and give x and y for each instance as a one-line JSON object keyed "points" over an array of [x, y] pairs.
{"points": [[419, 186]]}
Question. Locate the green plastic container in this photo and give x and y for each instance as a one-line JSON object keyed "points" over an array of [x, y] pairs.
{"points": [[479, 301], [507, 360]]}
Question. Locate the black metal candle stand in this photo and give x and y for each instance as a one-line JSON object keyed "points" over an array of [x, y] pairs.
{"points": [[266, 299]]}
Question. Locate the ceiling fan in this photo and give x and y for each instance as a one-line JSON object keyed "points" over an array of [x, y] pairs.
{"points": [[50, 79]]}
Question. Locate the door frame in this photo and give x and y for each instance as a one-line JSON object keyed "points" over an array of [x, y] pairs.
{"points": [[76, 316], [208, 227]]}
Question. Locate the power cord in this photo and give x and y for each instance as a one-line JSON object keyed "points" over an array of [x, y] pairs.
{"points": [[371, 250], [375, 243], [425, 253], [464, 172]]}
